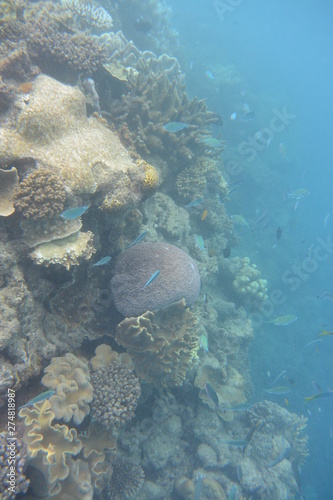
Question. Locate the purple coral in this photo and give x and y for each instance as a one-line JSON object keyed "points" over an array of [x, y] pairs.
{"points": [[178, 278]]}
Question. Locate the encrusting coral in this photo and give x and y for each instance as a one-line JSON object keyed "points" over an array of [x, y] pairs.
{"points": [[163, 345], [40, 195], [8, 185], [178, 278], [70, 378]]}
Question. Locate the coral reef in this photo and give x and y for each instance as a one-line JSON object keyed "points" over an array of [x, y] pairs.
{"points": [[40, 195], [85, 155], [37, 232], [70, 378], [13, 459], [163, 345], [8, 185], [242, 280], [125, 479], [48, 445], [92, 15], [116, 392], [178, 278]]}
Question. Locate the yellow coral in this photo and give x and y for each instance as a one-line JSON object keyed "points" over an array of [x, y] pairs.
{"points": [[151, 180], [48, 445]]}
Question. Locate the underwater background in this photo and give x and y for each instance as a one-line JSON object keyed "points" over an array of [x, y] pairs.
{"points": [[166, 297]]}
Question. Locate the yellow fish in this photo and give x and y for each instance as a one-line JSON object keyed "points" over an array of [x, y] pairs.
{"points": [[204, 214], [286, 402], [325, 332]]}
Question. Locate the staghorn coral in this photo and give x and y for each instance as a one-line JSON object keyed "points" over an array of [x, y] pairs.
{"points": [[40, 195], [125, 481], [178, 278], [48, 445], [85, 155], [70, 378], [13, 459], [116, 392], [163, 345], [8, 185]]}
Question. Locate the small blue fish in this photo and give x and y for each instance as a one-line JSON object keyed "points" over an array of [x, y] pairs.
{"points": [[204, 342], [211, 142], [42, 397], [103, 261], [232, 492], [138, 239], [240, 407], [194, 203], [152, 278], [238, 443], [74, 213], [174, 127], [278, 391], [211, 394], [209, 74]]}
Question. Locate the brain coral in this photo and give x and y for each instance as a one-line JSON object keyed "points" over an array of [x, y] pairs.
{"points": [[178, 278]]}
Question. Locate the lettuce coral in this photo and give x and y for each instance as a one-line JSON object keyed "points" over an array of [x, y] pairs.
{"points": [[70, 378], [163, 345]]}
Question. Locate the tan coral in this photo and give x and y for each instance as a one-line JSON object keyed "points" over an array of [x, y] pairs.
{"points": [[163, 345], [78, 482], [66, 251], [248, 284], [84, 154], [8, 185], [40, 195], [104, 355], [151, 180], [44, 231], [70, 378], [192, 181], [48, 445]]}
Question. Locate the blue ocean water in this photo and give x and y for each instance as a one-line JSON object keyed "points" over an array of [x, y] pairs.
{"points": [[277, 58]]}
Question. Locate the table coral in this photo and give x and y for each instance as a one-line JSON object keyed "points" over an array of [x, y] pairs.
{"points": [[40, 195], [162, 345], [8, 185], [70, 378], [178, 278]]}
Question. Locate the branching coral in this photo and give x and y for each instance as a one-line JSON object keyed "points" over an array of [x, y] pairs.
{"points": [[40, 195], [70, 377], [162, 345], [116, 392]]}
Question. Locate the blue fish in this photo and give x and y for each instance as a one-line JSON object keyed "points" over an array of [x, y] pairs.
{"points": [[194, 203], [232, 492], [138, 239], [209, 74], [74, 213], [198, 486], [199, 242], [42, 397], [211, 142], [211, 394], [175, 126], [103, 261], [152, 278]]}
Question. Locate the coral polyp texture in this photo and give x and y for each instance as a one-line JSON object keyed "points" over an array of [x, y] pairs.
{"points": [[178, 278], [87, 157], [91, 13], [162, 345], [40, 195], [125, 481], [12, 482], [116, 392]]}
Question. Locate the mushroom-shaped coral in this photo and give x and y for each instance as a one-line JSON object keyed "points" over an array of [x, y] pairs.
{"points": [[40, 195], [48, 445], [162, 345], [8, 184], [70, 378], [13, 458], [126, 479], [116, 392], [176, 277]]}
